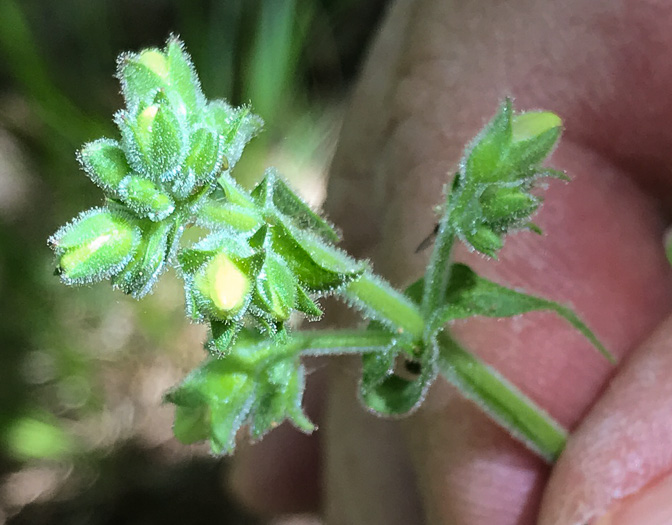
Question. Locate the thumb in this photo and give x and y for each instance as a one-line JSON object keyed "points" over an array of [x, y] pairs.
{"points": [[398, 144]]}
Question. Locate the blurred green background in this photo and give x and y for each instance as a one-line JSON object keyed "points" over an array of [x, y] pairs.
{"points": [[83, 436]]}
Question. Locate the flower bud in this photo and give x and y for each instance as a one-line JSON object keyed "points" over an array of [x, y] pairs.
{"points": [[221, 288], [484, 240], [140, 274], [96, 245], [534, 135], [507, 204], [155, 61], [156, 138], [145, 198], [204, 155], [530, 125], [142, 75], [105, 163], [276, 289]]}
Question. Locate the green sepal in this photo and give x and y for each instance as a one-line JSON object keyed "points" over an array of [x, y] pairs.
{"points": [[192, 424], [534, 135], [318, 266], [257, 384], [183, 78], [306, 305], [524, 157], [139, 276], [235, 246], [553, 174], [142, 74], [238, 126], [222, 336], [470, 295], [145, 198], [154, 139], [218, 213], [274, 192], [504, 206], [484, 240], [234, 194], [276, 288], [486, 152], [204, 157], [383, 390], [96, 245], [105, 163], [215, 400], [279, 397]]}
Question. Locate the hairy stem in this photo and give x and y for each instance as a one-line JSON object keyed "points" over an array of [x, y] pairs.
{"points": [[337, 342], [380, 301], [507, 405], [438, 269]]}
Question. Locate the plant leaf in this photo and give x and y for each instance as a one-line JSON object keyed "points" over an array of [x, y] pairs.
{"points": [[470, 295], [274, 191], [319, 267]]}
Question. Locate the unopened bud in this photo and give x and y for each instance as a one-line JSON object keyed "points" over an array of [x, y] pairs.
{"points": [[105, 163], [530, 125], [98, 244], [222, 288], [485, 241], [145, 198], [155, 61], [502, 204], [204, 155], [157, 137], [276, 289]]}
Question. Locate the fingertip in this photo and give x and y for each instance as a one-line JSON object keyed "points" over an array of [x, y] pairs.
{"points": [[622, 447]]}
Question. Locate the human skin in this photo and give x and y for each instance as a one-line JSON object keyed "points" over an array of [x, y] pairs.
{"points": [[434, 76]]}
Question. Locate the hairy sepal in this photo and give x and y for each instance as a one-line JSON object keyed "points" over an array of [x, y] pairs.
{"points": [[96, 245], [255, 384]]}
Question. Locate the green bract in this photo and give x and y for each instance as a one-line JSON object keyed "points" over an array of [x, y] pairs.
{"points": [[266, 255]]}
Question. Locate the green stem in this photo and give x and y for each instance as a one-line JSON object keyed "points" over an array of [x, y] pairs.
{"points": [[338, 342], [380, 301], [438, 269], [501, 400]]}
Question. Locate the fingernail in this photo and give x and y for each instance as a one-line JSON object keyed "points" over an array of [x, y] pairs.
{"points": [[650, 506]]}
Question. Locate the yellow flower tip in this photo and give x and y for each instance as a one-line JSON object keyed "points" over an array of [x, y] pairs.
{"points": [[529, 125], [224, 284], [147, 116], [156, 61]]}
